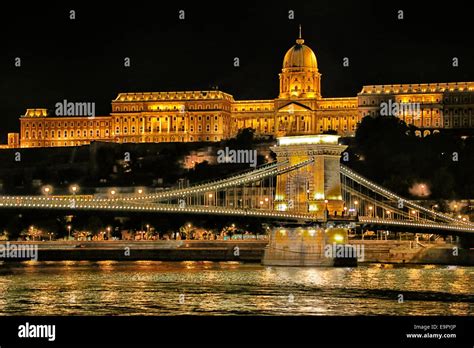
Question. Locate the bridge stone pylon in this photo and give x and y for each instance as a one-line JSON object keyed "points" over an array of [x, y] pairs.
{"points": [[315, 188]]}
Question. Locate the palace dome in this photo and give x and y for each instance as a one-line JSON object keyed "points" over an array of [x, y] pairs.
{"points": [[300, 56]]}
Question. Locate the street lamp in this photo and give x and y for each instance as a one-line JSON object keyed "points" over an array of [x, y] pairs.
{"points": [[69, 230], [47, 190], [74, 189]]}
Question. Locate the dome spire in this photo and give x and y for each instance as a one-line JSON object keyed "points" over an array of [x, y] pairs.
{"points": [[300, 40]]}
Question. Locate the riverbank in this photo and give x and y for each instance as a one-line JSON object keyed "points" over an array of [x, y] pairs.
{"points": [[375, 251], [162, 250]]}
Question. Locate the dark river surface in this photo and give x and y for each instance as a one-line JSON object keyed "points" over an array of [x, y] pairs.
{"points": [[230, 288]]}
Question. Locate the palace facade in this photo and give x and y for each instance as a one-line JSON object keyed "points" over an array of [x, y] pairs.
{"points": [[214, 115]]}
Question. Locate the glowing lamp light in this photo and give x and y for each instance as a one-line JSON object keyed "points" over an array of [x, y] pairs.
{"points": [[308, 139], [319, 196], [338, 238], [74, 188], [47, 190]]}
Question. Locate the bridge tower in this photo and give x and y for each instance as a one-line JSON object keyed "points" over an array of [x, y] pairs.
{"points": [[315, 188]]}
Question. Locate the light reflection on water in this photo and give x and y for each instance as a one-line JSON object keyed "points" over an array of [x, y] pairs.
{"points": [[231, 288]]}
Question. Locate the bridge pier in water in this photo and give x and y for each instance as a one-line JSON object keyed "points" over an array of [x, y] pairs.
{"points": [[314, 189]]}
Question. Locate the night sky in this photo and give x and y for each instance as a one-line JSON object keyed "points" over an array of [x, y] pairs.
{"points": [[82, 59]]}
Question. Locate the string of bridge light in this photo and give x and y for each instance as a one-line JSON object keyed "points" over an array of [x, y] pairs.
{"points": [[268, 169], [168, 208], [390, 194], [176, 193], [403, 223]]}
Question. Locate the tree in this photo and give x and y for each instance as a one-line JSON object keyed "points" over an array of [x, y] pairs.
{"points": [[94, 224], [14, 227]]}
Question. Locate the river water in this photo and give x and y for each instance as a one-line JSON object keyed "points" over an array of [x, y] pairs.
{"points": [[229, 288]]}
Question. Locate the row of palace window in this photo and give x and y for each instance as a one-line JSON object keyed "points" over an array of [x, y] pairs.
{"points": [[191, 138], [344, 128], [53, 134], [251, 109], [456, 122], [132, 140], [174, 129], [150, 107], [175, 118], [321, 127], [303, 119], [71, 124], [429, 100]]}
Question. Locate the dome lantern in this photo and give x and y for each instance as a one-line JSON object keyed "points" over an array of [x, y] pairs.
{"points": [[300, 77]]}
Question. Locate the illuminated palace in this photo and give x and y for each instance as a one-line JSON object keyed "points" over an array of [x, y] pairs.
{"points": [[214, 115]]}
